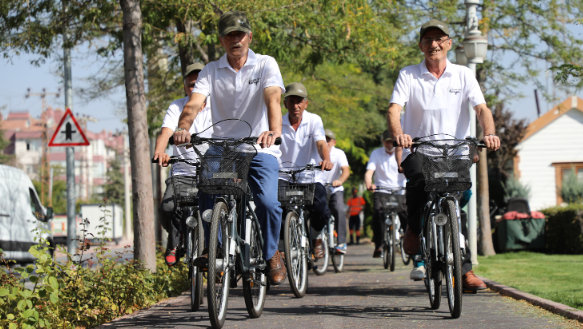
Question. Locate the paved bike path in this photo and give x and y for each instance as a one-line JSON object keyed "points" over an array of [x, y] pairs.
{"points": [[365, 295]]}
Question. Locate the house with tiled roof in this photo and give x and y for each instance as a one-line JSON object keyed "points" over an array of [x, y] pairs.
{"points": [[551, 149]]}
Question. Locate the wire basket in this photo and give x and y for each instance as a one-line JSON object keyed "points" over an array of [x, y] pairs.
{"points": [[225, 167], [296, 194], [446, 164], [393, 202], [185, 191]]}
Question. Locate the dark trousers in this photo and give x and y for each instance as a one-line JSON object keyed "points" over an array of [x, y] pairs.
{"points": [[336, 206], [319, 211], [167, 215], [354, 223], [379, 226], [416, 199]]}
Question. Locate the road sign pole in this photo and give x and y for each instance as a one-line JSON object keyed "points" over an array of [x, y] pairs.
{"points": [[71, 222]]}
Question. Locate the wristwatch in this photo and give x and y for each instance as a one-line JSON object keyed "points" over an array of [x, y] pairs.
{"points": [[179, 129]]}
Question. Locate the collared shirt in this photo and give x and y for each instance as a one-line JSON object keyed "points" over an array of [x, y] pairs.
{"points": [[436, 106], [386, 169], [202, 122], [338, 158], [239, 95]]}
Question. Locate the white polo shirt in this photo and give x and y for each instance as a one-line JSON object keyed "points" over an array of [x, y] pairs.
{"points": [[298, 147], [202, 122], [239, 95], [338, 158], [386, 169], [434, 105]]}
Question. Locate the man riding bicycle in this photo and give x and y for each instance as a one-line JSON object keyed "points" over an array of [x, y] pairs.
{"points": [[303, 141], [383, 164], [245, 86], [438, 94], [170, 123], [336, 177]]}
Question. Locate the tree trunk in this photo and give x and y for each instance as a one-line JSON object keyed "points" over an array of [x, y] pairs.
{"points": [[484, 206], [143, 209], [185, 51]]}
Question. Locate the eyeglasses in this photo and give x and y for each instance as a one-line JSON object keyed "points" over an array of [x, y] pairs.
{"points": [[429, 41]]}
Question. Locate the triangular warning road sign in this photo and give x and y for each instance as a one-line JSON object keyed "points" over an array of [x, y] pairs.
{"points": [[68, 132]]}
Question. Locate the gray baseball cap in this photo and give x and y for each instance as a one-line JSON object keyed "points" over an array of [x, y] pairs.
{"points": [[387, 135], [329, 133], [193, 68], [233, 21], [296, 89], [433, 24]]}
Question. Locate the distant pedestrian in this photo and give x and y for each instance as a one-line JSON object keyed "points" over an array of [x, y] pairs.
{"points": [[355, 207]]}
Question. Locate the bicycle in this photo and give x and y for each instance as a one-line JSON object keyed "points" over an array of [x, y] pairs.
{"points": [[395, 197], [445, 166], [235, 243], [332, 239], [186, 210]]}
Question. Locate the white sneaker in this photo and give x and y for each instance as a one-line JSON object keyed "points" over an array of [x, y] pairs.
{"points": [[418, 273]]}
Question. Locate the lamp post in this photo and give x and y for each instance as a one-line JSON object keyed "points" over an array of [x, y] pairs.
{"points": [[473, 52]]}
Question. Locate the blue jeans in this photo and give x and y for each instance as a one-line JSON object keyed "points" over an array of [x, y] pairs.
{"points": [[263, 176]]}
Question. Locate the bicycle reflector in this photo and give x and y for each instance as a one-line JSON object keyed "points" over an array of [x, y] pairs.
{"points": [[191, 221], [207, 215], [440, 219]]}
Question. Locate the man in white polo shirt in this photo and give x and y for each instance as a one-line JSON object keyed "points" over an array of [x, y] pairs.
{"points": [[246, 86], [383, 164], [438, 95], [303, 142], [336, 177], [167, 212]]}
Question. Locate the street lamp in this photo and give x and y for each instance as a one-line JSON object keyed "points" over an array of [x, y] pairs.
{"points": [[460, 56], [475, 48]]}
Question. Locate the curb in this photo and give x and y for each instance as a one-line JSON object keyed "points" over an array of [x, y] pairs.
{"points": [[548, 305]]}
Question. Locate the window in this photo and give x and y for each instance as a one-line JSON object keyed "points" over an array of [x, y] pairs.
{"points": [[562, 172], [28, 146], [35, 206]]}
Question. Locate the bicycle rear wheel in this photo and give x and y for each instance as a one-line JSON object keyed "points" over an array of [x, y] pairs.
{"points": [[255, 285], [453, 275], [196, 244], [386, 256], [218, 266], [337, 259], [322, 263], [432, 273], [406, 258], [391, 242], [296, 261]]}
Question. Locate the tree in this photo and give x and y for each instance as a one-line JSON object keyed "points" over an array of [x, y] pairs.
{"points": [[113, 189]]}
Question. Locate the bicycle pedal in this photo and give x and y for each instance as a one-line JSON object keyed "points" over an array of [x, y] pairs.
{"points": [[469, 291]]}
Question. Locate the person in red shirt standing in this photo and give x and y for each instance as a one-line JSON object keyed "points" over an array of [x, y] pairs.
{"points": [[355, 207]]}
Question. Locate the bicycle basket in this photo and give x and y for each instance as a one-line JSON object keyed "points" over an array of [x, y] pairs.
{"points": [[393, 202], [446, 164], [296, 194], [225, 167], [185, 191]]}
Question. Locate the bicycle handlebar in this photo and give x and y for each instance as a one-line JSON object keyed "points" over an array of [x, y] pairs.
{"points": [[175, 160], [417, 143], [194, 138], [300, 169]]}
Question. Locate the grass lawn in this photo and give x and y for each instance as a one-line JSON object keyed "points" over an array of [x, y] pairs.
{"points": [[555, 277]]}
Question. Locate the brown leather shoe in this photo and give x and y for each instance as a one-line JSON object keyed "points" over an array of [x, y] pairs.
{"points": [[319, 251], [276, 267], [411, 243], [203, 259], [472, 282]]}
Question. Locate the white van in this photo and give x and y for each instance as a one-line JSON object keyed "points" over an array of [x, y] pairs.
{"points": [[20, 213]]}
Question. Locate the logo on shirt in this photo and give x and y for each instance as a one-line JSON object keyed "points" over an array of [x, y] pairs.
{"points": [[254, 81], [454, 91]]}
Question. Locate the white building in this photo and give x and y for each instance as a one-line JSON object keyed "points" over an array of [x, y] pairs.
{"points": [[550, 150]]}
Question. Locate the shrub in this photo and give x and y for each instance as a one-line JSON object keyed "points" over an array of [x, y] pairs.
{"points": [[82, 293], [572, 189], [513, 188], [564, 229]]}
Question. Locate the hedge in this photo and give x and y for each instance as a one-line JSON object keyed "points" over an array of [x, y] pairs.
{"points": [[564, 229]]}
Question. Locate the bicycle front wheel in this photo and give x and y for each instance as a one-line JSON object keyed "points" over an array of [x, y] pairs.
{"points": [[196, 244], [453, 275], [255, 283], [296, 261], [386, 257], [391, 242], [404, 256], [337, 258], [322, 263], [218, 265], [432, 273]]}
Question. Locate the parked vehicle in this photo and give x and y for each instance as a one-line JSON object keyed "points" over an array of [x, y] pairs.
{"points": [[60, 228], [20, 213], [113, 217]]}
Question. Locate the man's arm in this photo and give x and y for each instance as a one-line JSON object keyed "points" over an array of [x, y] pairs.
{"points": [[487, 123], [394, 124], [368, 180], [399, 157], [161, 145], [324, 153], [191, 109], [272, 96], [343, 177]]}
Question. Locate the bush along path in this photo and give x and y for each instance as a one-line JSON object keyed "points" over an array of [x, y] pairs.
{"points": [[84, 293]]}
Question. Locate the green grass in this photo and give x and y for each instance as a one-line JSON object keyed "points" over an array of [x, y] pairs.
{"points": [[555, 277]]}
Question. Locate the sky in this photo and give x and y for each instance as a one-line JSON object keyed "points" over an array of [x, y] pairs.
{"points": [[19, 75]]}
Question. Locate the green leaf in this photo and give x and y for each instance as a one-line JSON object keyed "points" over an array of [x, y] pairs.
{"points": [[13, 326], [42, 293], [10, 317], [27, 314], [54, 283], [54, 298], [4, 292], [30, 268], [33, 278], [28, 303], [24, 275], [19, 269], [21, 305]]}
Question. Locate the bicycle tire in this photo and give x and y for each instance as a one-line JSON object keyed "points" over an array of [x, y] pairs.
{"points": [[296, 261], [391, 247], [454, 272], [337, 259], [322, 263], [196, 241], [432, 274], [386, 259], [218, 292], [254, 291], [404, 256]]}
